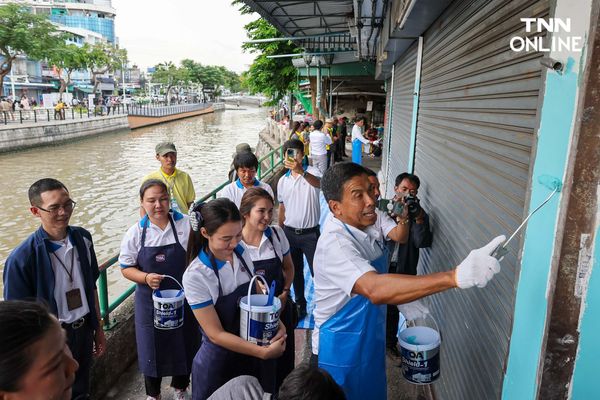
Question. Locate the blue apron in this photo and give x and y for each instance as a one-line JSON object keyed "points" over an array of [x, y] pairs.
{"points": [[215, 365], [357, 151], [352, 344], [163, 352], [272, 270]]}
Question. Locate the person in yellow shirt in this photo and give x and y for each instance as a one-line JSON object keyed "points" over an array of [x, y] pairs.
{"points": [[329, 130], [181, 188]]}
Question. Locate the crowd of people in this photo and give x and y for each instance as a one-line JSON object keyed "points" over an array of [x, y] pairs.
{"points": [[326, 213], [10, 106], [25, 106]]}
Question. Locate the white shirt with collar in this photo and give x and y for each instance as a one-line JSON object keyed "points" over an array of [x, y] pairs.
{"points": [[235, 190], [265, 250], [384, 225], [319, 142], [358, 135], [155, 237], [201, 284], [300, 199], [342, 256], [64, 251]]}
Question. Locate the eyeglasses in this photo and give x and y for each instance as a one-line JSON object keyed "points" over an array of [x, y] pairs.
{"points": [[67, 208]]}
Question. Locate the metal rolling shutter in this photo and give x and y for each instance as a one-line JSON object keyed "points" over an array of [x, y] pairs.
{"points": [[386, 141], [475, 131], [402, 108]]}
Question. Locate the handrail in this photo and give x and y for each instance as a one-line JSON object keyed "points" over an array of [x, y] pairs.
{"points": [[107, 308]]}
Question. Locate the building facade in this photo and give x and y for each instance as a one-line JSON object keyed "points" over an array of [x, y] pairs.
{"points": [[86, 22]]}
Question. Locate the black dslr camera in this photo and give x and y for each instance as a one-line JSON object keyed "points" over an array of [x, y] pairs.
{"points": [[411, 202]]}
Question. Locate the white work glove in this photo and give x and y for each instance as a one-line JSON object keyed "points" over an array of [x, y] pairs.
{"points": [[413, 310], [479, 267]]}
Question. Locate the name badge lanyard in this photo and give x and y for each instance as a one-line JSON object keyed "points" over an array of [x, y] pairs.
{"points": [[170, 188], [73, 296]]}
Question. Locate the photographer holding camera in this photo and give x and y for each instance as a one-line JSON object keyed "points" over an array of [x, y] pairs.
{"points": [[405, 257]]}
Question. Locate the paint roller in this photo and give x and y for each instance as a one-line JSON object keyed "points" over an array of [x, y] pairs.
{"points": [[553, 184]]}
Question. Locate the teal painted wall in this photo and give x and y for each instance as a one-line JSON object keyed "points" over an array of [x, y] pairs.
{"points": [[554, 137], [588, 354]]}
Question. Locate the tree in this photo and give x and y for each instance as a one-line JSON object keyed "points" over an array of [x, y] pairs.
{"points": [[171, 76], [24, 33], [103, 58], [211, 75], [273, 77], [66, 59]]}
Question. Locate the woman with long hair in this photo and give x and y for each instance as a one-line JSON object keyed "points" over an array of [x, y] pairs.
{"points": [[269, 250], [152, 249], [295, 133], [218, 275], [35, 361]]}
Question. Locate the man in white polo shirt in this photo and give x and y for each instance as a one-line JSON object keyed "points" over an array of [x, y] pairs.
{"points": [[352, 286], [246, 165], [318, 146], [299, 211]]}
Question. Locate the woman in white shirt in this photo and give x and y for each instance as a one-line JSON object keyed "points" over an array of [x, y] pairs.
{"points": [[152, 248], [358, 140], [218, 275], [269, 250]]}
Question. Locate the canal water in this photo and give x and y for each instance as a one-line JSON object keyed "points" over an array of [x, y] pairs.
{"points": [[103, 175]]}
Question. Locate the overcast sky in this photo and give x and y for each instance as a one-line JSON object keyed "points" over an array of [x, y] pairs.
{"points": [[210, 32]]}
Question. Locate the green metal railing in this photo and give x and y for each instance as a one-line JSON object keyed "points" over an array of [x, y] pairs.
{"points": [[106, 308]]}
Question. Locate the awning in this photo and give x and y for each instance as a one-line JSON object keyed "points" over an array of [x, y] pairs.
{"points": [[85, 89], [328, 27]]}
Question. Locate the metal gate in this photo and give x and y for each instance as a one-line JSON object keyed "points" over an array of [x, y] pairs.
{"points": [[475, 132], [402, 109]]}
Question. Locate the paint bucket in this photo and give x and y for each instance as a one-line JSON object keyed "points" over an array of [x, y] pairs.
{"points": [[258, 322], [420, 350], [168, 307]]}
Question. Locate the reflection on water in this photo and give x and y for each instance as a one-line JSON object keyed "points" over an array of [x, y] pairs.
{"points": [[103, 174]]}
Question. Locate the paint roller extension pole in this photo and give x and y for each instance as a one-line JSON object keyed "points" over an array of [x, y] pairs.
{"points": [[553, 184]]}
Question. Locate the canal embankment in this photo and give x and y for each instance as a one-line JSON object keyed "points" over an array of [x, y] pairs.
{"points": [[142, 116], [43, 133], [36, 127]]}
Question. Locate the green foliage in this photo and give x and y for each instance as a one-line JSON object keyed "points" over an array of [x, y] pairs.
{"points": [[273, 77], [212, 75], [24, 33], [67, 58], [102, 58]]}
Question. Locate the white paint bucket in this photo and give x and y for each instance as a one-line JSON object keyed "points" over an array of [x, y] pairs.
{"points": [[168, 307], [420, 349], [258, 322]]}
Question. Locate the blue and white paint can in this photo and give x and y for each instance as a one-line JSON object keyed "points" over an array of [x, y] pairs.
{"points": [[168, 307], [420, 349], [258, 321]]}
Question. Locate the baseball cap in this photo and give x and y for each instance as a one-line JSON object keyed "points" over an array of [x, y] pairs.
{"points": [[165, 147], [242, 148]]}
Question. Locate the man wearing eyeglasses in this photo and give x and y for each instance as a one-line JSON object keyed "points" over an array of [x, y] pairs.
{"points": [[57, 265]]}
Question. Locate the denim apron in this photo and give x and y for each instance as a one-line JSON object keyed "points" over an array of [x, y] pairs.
{"points": [[352, 344], [272, 270], [215, 365], [163, 352]]}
